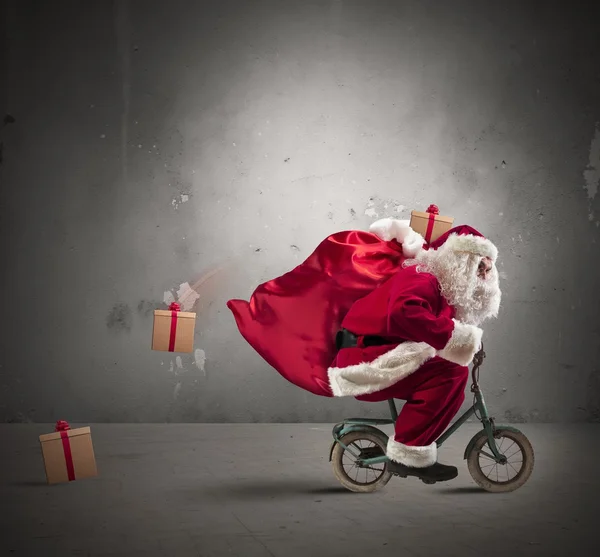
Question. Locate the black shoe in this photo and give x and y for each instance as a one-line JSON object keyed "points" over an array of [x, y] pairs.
{"points": [[435, 473]]}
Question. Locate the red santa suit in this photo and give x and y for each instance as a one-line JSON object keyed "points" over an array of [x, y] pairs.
{"points": [[427, 342], [425, 362]]}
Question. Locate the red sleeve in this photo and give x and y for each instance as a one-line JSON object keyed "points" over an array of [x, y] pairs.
{"points": [[411, 311]]}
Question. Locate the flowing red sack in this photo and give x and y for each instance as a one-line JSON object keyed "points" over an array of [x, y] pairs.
{"points": [[292, 320]]}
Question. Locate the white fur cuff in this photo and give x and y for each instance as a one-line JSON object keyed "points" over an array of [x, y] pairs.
{"points": [[415, 457], [399, 230], [463, 344], [387, 369]]}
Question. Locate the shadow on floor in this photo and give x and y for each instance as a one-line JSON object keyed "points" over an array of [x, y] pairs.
{"points": [[31, 483], [465, 489], [244, 489]]}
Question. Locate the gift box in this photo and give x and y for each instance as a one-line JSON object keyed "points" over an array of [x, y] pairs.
{"points": [[68, 454], [430, 224], [173, 330]]}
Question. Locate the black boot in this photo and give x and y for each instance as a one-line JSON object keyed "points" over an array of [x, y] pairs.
{"points": [[435, 473]]}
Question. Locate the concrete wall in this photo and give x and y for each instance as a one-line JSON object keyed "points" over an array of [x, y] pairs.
{"points": [[159, 145]]}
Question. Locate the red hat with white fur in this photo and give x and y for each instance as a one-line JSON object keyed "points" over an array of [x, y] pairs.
{"points": [[465, 238]]}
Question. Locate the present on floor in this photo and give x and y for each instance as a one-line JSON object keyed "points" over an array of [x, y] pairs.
{"points": [[430, 224], [68, 454], [173, 329]]}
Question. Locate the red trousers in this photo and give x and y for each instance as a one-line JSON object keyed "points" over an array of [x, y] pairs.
{"points": [[433, 394]]}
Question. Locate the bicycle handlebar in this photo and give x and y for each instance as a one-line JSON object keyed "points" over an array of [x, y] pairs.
{"points": [[477, 361]]}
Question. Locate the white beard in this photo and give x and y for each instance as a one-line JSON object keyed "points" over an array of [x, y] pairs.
{"points": [[474, 299]]}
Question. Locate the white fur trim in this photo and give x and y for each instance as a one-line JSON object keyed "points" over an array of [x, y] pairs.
{"points": [[471, 244], [463, 344], [415, 457], [399, 230], [387, 369]]}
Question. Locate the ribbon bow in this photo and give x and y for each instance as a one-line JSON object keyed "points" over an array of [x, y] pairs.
{"points": [[175, 306], [433, 210], [62, 425]]}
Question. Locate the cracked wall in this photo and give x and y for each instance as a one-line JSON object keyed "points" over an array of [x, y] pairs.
{"points": [[190, 151]]}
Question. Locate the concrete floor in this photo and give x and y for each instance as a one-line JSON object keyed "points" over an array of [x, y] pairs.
{"points": [[257, 490]]}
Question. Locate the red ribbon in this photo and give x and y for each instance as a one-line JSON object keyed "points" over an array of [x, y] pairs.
{"points": [[63, 427], [432, 210], [174, 307]]}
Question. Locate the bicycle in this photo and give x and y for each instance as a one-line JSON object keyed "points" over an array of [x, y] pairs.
{"points": [[350, 432]]}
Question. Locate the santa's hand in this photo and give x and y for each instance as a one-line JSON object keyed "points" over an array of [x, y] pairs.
{"points": [[464, 343]]}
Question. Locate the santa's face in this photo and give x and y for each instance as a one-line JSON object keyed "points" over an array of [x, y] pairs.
{"points": [[469, 283], [482, 294], [484, 268]]}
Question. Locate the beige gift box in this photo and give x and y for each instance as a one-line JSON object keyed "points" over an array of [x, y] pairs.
{"points": [[430, 224], [68, 455], [173, 331]]}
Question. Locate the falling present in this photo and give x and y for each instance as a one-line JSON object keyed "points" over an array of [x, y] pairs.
{"points": [[68, 454], [173, 330]]}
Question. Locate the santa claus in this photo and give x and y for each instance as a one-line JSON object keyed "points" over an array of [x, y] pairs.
{"points": [[413, 337], [399, 318]]}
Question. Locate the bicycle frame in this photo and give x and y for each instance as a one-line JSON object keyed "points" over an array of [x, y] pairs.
{"points": [[478, 406]]}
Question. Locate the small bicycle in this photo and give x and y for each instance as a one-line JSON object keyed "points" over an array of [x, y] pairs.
{"points": [[485, 454]]}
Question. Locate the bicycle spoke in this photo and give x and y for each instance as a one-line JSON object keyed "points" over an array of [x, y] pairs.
{"points": [[513, 454], [513, 467], [492, 471], [507, 448]]}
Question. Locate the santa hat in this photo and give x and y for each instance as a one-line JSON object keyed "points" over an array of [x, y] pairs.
{"points": [[465, 238]]}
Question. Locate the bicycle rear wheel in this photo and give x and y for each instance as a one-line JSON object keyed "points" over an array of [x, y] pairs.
{"points": [[361, 479]]}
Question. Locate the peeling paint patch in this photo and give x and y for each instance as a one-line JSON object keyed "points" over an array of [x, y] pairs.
{"points": [[168, 298], [176, 390], [200, 359], [178, 200], [592, 172], [187, 296], [383, 207], [179, 362]]}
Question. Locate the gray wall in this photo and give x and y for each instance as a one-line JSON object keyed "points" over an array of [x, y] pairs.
{"points": [[148, 158]]}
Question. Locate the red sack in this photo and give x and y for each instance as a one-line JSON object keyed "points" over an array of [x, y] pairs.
{"points": [[292, 320]]}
